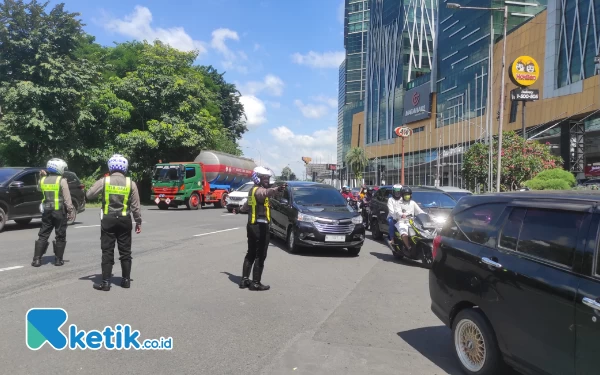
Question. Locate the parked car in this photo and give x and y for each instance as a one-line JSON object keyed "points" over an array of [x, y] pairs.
{"points": [[235, 199], [20, 196], [516, 277], [309, 214], [455, 192], [433, 201]]}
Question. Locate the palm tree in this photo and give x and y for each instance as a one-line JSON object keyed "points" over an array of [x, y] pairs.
{"points": [[358, 161]]}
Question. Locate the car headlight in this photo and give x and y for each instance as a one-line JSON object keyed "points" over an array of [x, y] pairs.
{"points": [[306, 218], [439, 219], [357, 220]]}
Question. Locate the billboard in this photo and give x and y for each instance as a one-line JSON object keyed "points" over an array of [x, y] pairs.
{"points": [[417, 103], [525, 95]]}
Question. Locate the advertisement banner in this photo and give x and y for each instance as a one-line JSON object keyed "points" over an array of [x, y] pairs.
{"points": [[592, 171], [417, 103]]}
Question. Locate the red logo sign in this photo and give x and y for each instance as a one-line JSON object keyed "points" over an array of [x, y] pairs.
{"points": [[415, 99]]}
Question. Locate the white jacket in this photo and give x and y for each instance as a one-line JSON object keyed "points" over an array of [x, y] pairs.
{"points": [[395, 208]]}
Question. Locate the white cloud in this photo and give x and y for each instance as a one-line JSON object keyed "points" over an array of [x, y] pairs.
{"points": [[255, 109], [272, 85], [275, 105], [312, 110], [320, 60], [231, 59], [332, 102], [138, 25]]}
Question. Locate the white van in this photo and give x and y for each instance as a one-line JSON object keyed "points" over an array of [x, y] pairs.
{"points": [[236, 198]]}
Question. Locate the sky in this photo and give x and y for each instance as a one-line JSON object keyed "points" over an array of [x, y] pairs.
{"points": [[283, 55]]}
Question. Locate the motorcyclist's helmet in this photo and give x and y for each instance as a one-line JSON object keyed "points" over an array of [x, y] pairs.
{"points": [[262, 176], [406, 193], [344, 188], [118, 163], [397, 191], [56, 165]]}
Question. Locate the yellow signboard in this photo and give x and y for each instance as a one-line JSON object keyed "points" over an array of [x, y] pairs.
{"points": [[524, 71]]}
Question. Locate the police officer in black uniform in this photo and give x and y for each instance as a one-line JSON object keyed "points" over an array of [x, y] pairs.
{"points": [[57, 209], [259, 221], [120, 198]]}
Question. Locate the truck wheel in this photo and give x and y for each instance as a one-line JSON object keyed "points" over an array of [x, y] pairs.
{"points": [[163, 206], [218, 204], [193, 202]]}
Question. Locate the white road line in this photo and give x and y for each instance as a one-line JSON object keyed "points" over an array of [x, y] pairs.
{"points": [[10, 268], [227, 214], [219, 231], [87, 226]]}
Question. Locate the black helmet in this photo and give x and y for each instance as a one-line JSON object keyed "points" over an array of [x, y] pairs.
{"points": [[406, 192]]}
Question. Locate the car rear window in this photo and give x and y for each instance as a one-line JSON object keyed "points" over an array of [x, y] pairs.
{"points": [[479, 224], [546, 234], [433, 200], [317, 196]]}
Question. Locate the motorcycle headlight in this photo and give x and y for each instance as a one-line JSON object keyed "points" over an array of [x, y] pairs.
{"points": [[306, 218], [357, 220], [439, 219]]}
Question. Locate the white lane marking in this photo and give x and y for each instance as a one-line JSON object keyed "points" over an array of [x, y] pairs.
{"points": [[87, 226], [227, 214], [219, 231], [10, 268]]}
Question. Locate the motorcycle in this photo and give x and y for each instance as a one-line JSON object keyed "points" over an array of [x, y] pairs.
{"points": [[421, 232], [365, 210], [352, 203]]}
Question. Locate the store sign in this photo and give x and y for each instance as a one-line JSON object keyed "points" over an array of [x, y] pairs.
{"points": [[331, 167], [524, 71], [525, 95], [417, 103], [593, 170], [403, 132]]}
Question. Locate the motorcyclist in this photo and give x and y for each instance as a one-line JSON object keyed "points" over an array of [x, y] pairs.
{"points": [[57, 208], [366, 205], [346, 193], [258, 227], [400, 206], [363, 192]]}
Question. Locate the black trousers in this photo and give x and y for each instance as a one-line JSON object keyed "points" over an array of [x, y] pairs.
{"points": [[119, 230], [258, 243], [56, 220]]}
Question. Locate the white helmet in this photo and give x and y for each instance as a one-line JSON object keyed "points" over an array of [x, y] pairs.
{"points": [[56, 166], [259, 172], [118, 162]]}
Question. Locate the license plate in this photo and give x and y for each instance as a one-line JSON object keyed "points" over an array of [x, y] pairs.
{"points": [[335, 238]]}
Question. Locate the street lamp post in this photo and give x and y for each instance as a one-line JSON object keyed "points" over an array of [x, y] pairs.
{"points": [[501, 119]]}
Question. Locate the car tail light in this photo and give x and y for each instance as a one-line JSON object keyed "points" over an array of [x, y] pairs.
{"points": [[436, 245]]}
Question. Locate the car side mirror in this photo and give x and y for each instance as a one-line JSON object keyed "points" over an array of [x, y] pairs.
{"points": [[16, 184]]}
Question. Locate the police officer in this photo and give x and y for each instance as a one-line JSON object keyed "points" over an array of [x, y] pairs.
{"points": [[57, 209], [120, 198], [257, 229]]}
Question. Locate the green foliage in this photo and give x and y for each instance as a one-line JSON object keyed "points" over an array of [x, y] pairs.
{"points": [[63, 95], [521, 160], [287, 175], [552, 179], [357, 160]]}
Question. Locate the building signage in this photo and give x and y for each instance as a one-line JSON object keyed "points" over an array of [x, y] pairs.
{"points": [[417, 103], [525, 95], [403, 131], [524, 71], [592, 170]]}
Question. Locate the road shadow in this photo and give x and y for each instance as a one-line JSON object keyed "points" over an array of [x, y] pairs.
{"points": [[97, 278], [389, 257], [11, 226], [233, 278], [49, 259], [435, 344], [317, 252]]}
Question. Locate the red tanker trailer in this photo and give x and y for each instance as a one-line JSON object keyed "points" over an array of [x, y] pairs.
{"points": [[206, 180]]}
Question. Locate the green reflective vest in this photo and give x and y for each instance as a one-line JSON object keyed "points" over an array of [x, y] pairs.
{"points": [[253, 204], [116, 197], [53, 199]]}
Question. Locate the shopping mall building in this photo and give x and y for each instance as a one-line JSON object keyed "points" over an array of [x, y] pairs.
{"points": [[551, 45]]}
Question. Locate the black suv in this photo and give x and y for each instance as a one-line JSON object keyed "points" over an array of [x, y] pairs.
{"points": [[309, 214], [20, 196], [516, 276], [433, 201]]}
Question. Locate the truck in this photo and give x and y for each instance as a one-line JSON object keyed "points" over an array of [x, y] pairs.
{"points": [[206, 180]]}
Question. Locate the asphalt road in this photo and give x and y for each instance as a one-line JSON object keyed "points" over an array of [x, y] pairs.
{"points": [[326, 312]]}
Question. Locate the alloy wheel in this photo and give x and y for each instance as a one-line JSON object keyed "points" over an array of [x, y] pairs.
{"points": [[470, 345]]}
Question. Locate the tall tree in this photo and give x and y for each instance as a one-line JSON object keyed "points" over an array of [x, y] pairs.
{"points": [[358, 161]]}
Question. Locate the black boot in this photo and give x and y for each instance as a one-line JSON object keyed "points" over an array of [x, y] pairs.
{"points": [[106, 274], [245, 282], [126, 274], [40, 249], [59, 251], [256, 285]]}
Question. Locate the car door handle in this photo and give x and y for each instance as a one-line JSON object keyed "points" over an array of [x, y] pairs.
{"points": [[591, 303], [490, 262]]}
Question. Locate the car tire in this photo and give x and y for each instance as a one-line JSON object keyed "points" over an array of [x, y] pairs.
{"points": [[291, 241], [477, 358], [375, 230], [193, 202], [230, 210], [23, 222], [3, 219], [354, 251]]}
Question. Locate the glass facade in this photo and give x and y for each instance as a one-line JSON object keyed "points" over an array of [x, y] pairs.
{"points": [[579, 41], [341, 104], [463, 54]]}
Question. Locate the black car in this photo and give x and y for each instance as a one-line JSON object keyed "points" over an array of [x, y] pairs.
{"points": [[309, 214], [516, 276], [20, 197], [434, 202]]}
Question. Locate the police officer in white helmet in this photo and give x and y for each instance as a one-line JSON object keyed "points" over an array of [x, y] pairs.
{"points": [[57, 208], [120, 198]]}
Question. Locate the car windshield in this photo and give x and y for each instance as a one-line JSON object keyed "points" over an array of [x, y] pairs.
{"points": [[245, 188], [6, 174], [457, 194], [317, 196], [433, 200], [166, 173]]}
